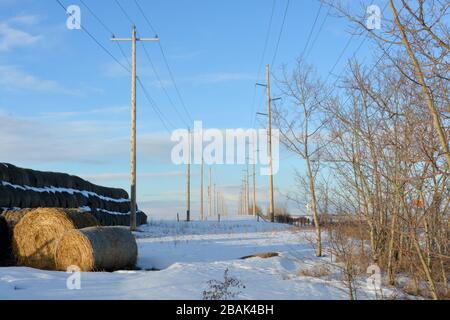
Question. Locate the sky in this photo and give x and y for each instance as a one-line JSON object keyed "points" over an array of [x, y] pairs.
{"points": [[65, 102]]}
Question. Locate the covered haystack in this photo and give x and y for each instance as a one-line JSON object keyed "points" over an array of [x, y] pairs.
{"points": [[4, 240], [36, 235], [97, 249]]}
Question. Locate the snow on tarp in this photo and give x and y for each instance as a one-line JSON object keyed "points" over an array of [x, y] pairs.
{"points": [[26, 188], [52, 189]]}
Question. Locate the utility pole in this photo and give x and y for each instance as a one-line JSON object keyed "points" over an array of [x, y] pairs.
{"points": [[201, 185], [133, 206], [254, 177], [215, 200], [247, 193], [269, 140], [188, 181], [209, 194], [240, 204]]}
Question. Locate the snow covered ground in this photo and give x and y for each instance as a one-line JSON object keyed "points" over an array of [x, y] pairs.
{"points": [[177, 259]]}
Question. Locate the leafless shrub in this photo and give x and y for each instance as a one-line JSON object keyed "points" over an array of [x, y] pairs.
{"points": [[223, 290]]}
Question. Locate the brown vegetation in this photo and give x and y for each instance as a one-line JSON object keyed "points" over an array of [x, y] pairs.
{"points": [[384, 140]]}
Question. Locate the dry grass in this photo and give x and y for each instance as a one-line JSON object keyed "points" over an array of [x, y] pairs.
{"points": [[318, 271]]}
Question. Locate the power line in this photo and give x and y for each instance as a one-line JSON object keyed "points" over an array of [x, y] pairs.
{"points": [[124, 12], [318, 33], [162, 85], [165, 122], [281, 32], [96, 41], [145, 17], [165, 62], [312, 30], [266, 41], [150, 100], [279, 37], [267, 38], [147, 55], [97, 18], [100, 21]]}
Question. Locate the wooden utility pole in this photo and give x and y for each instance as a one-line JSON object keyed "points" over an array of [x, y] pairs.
{"points": [[133, 40], [215, 200], [240, 204], [254, 177], [209, 194], [247, 193], [269, 141], [188, 181], [201, 186]]}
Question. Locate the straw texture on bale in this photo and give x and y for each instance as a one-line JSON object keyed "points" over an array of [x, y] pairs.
{"points": [[97, 249], [36, 235], [11, 219]]}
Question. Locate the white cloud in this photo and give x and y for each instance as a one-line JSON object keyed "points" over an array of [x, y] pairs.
{"points": [[11, 37], [25, 19], [15, 79], [126, 176], [206, 79], [46, 141], [96, 111]]}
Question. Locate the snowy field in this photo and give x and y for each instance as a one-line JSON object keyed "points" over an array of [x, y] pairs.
{"points": [[177, 259]]}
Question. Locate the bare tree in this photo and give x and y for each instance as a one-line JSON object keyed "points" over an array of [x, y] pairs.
{"points": [[301, 125]]}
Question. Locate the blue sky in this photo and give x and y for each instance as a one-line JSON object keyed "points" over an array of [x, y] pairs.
{"points": [[64, 103]]}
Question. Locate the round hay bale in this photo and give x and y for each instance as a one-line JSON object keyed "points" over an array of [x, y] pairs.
{"points": [[11, 218], [40, 181], [51, 179], [14, 216], [25, 199], [71, 201], [27, 177], [97, 249], [33, 182], [81, 201], [100, 217], [35, 199], [62, 200], [94, 202], [16, 196], [15, 175], [43, 198], [70, 182], [61, 180], [36, 235], [5, 196], [4, 171], [51, 201]]}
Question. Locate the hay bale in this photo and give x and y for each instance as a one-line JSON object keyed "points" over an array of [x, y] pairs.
{"points": [[96, 249], [36, 235], [5, 196], [11, 218]]}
